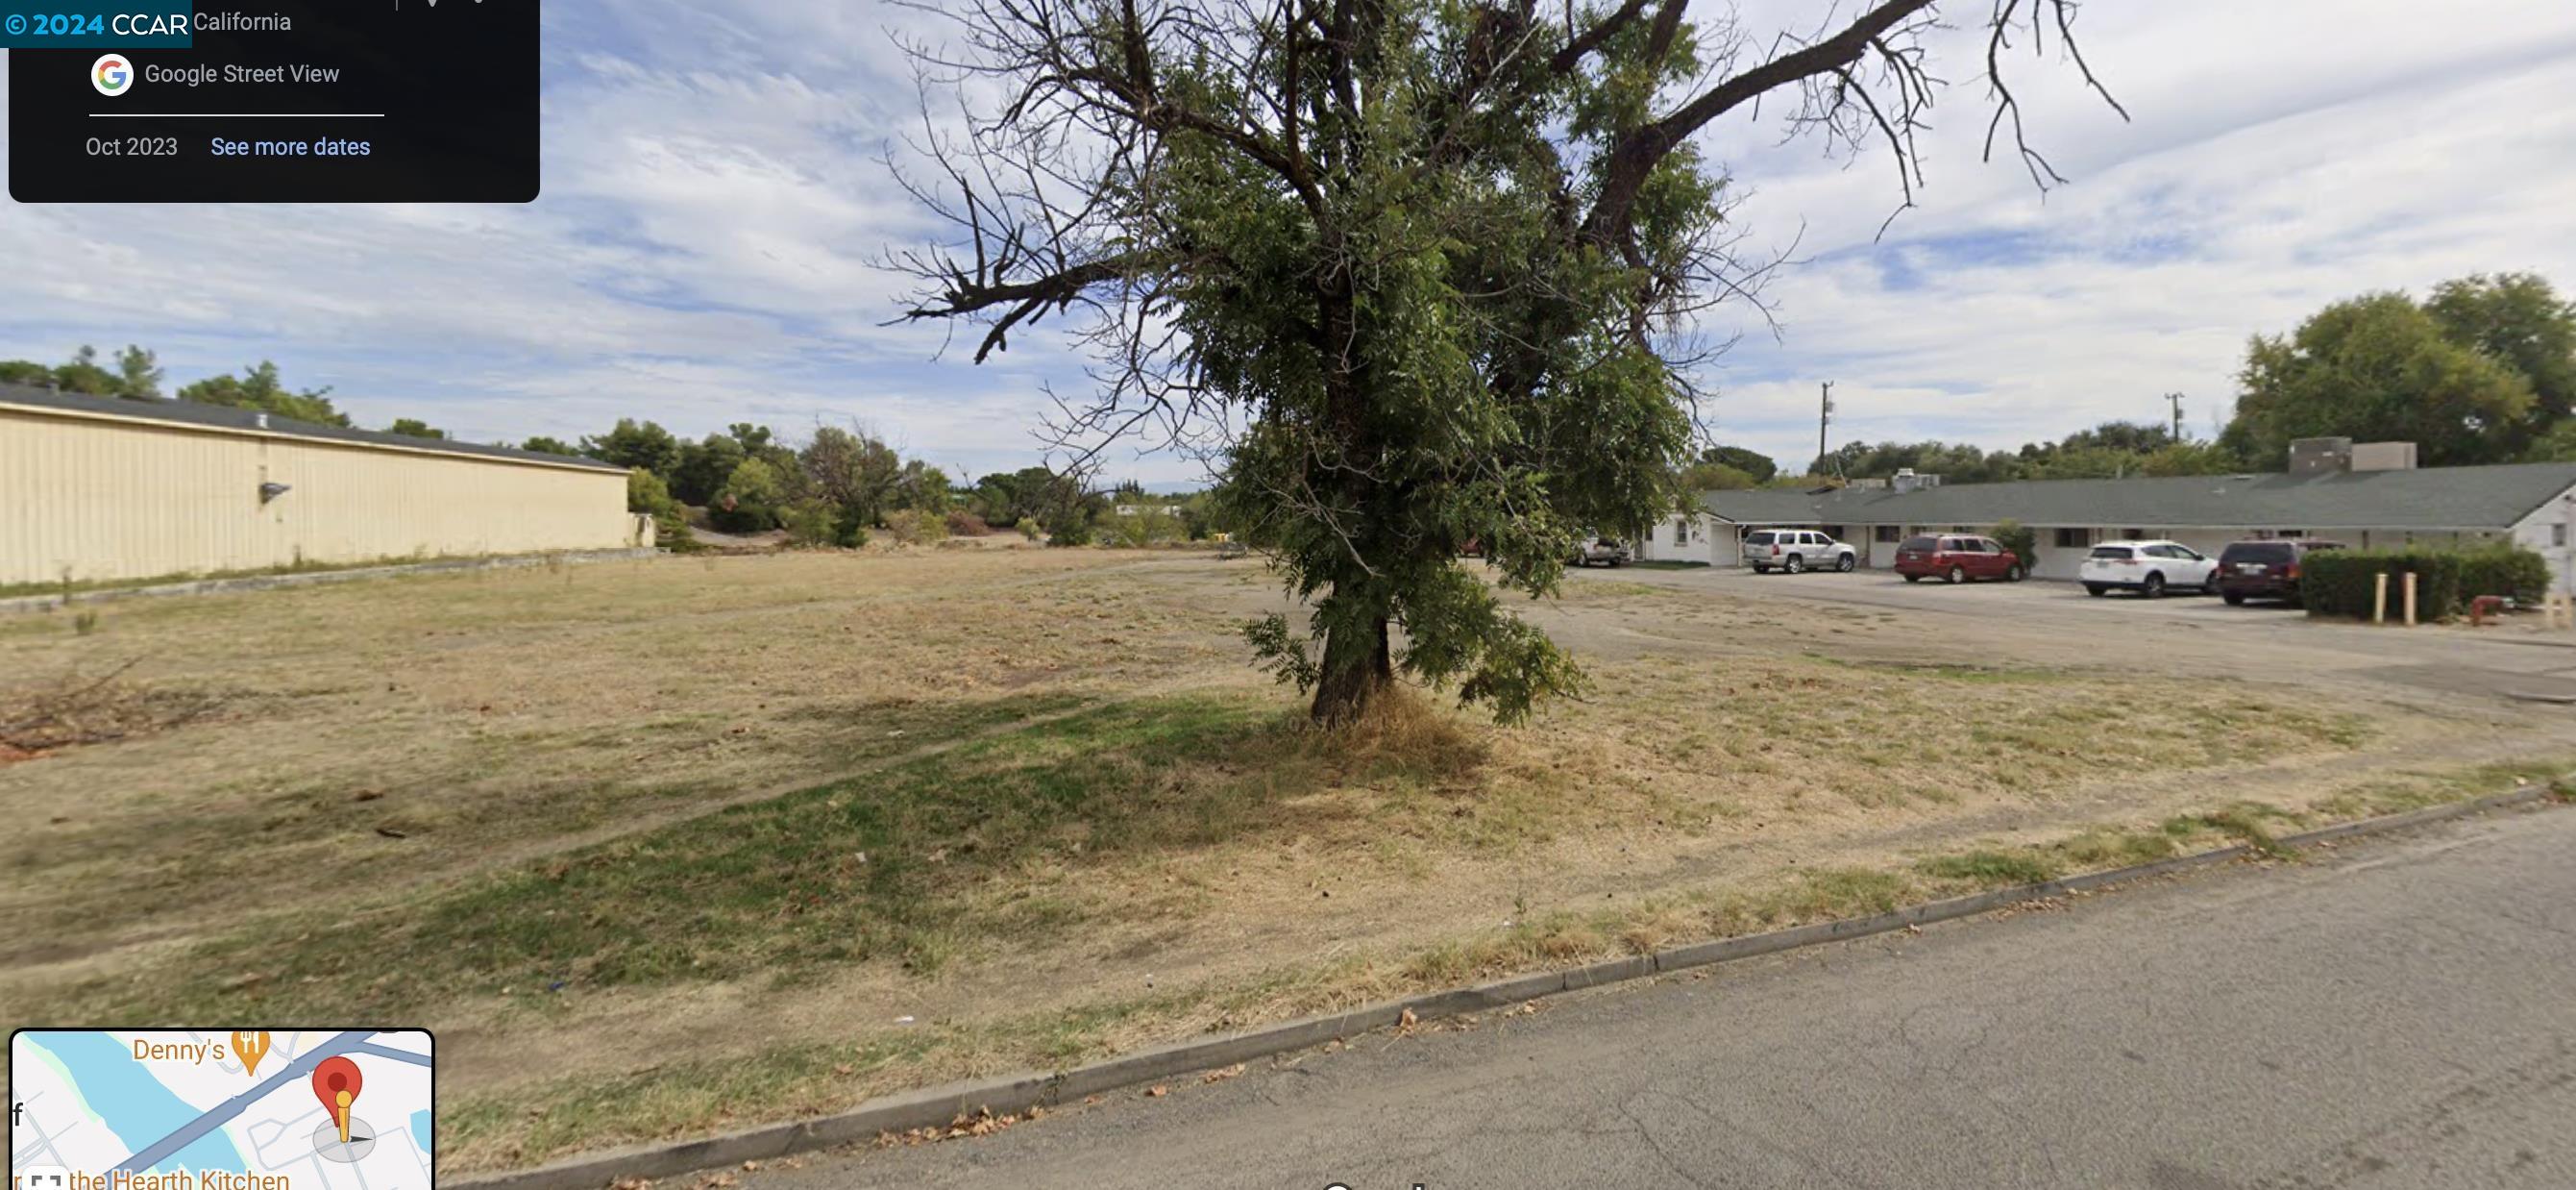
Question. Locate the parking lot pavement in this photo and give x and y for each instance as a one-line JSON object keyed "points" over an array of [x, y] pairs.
{"points": [[2055, 621]]}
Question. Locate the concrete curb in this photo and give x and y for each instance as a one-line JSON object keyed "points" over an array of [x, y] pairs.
{"points": [[937, 1107], [263, 582]]}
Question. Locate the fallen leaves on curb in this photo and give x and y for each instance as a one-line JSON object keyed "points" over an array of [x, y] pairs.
{"points": [[1218, 1076], [980, 1122], [1157, 1091]]}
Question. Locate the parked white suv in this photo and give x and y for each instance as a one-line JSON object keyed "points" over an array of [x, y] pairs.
{"points": [[2149, 568], [1794, 550]]}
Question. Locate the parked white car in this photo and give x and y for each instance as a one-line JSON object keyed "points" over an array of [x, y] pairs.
{"points": [[1794, 550], [2149, 568]]}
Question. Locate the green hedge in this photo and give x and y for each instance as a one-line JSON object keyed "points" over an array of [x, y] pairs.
{"points": [[2341, 582]]}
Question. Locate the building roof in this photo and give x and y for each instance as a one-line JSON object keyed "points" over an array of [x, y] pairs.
{"points": [[2494, 497], [225, 417]]}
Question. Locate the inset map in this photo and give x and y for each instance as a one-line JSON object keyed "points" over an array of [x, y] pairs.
{"points": [[235, 1109]]}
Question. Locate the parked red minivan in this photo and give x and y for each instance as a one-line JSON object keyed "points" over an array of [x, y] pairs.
{"points": [[1957, 558]]}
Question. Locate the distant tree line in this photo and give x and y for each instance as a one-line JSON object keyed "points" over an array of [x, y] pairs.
{"points": [[835, 487], [2482, 371], [136, 374]]}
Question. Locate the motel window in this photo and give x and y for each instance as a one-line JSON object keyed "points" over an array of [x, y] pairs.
{"points": [[1891, 534], [2133, 535], [2074, 539], [2558, 535], [1681, 530]]}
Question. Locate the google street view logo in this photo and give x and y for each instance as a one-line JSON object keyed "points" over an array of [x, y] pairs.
{"points": [[112, 74]]}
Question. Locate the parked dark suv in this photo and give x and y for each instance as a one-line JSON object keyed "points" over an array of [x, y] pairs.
{"points": [[2265, 569]]}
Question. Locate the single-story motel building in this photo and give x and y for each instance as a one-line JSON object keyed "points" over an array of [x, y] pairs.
{"points": [[2370, 496]]}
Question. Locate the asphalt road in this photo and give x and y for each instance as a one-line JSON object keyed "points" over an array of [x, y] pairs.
{"points": [[2395, 1014]]}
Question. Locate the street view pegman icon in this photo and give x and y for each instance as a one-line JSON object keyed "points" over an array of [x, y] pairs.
{"points": [[336, 1083]]}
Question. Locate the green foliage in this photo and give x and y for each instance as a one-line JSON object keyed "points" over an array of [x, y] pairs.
{"points": [[84, 375], [138, 373], [1753, 463], [2556, 446], [704, 467], [636, 444], [2518, 320], [258, 388], [1072, 532], [1954, 462], [1714, 477], [751, 499], [646, 493], [2344, 582], [1149, 524], [2519, 574], [2021, 539], [918, 527], [543, 444], [413, 427], [812, 523], [2380, 367], [1028, 528]]}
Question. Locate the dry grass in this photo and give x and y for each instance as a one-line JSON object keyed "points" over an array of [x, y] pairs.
{"points": [[497, 715], [744, 814]]}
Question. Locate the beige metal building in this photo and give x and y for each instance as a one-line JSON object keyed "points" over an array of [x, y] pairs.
{"points": [[97, 488]]}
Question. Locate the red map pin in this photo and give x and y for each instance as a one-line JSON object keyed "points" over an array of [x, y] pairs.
{"points": [[336, 1083]]}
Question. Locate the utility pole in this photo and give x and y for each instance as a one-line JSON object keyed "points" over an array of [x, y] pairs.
{"points": [[1824, 418], [2176, 399]]}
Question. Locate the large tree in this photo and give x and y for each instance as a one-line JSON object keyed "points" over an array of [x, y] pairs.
{"points": [[2379, 367], [2518, 320], [258, 387], [1414, 273]]}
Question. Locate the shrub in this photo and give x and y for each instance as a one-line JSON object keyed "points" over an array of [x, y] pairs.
{"points": [[917, 528], [962, 523], [2509, 570], [811, 523], [1146, 526], [750, 500], [2021, 539], [1028, 528], [646, 493], [2342, 582]]}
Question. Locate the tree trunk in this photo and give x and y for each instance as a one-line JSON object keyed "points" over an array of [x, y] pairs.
{"points": [[1358, 669]]}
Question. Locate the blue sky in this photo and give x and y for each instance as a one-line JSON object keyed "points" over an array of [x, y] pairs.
{"points": [[715, 199]]}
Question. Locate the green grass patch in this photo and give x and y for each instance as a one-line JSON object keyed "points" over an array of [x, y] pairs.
{"points": [[2246, 822], [1990, 869], [920, 865]]}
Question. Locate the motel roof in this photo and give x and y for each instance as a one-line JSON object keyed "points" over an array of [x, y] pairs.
{"points": [[2493, 497]]}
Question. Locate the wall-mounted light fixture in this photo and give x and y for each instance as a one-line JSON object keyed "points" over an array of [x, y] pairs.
{"points": [[272, 490]]}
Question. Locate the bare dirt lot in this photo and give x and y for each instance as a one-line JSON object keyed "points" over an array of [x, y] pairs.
{"points": [[646, 843]]}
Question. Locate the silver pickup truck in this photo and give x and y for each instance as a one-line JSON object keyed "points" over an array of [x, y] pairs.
{"points": [[1599, 551]]}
